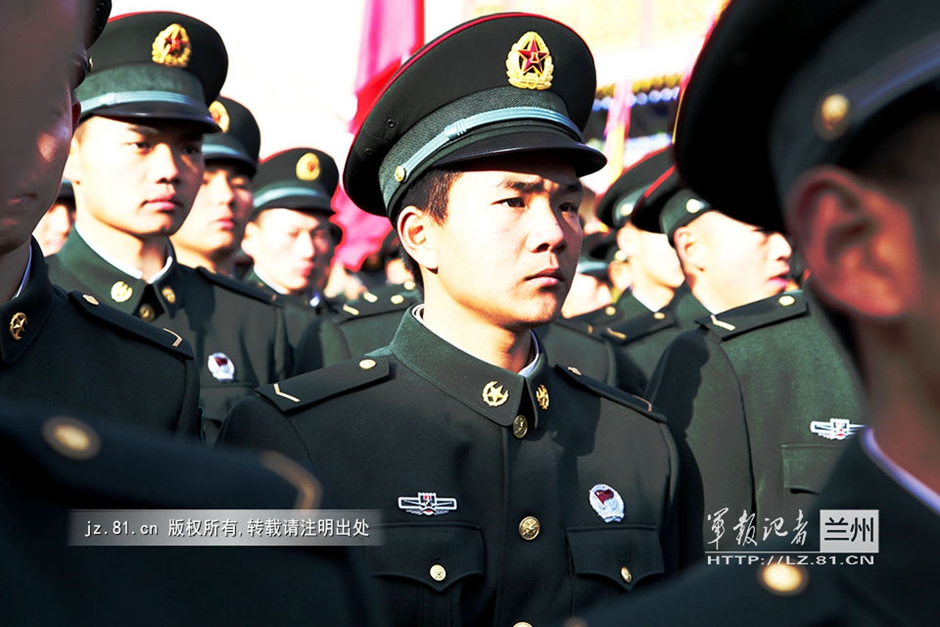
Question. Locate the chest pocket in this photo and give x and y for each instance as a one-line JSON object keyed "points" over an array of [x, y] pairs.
{"points": [[608, 562], [806, 468], [423, 570]]}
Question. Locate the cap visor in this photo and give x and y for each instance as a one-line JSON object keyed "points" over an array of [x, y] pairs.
{"points": [[158, 111]]}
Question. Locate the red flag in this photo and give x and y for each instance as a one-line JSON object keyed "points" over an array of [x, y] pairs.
{"points": [[392, 31]]}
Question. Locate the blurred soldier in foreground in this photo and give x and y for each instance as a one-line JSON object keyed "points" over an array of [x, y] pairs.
{"points": [[212, 233], [842, 143], [513, 491], [136, 167]]}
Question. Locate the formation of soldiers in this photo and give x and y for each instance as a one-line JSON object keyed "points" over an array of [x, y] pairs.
{"points": [[530, 469]]}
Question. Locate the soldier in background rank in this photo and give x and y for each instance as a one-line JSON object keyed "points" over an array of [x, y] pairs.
{"points": [[513, 491], [65, 350], [56, 223], [211, 236], [136, 167]]}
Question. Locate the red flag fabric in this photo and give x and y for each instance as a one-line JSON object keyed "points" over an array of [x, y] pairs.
{"points": [[392, 31]]}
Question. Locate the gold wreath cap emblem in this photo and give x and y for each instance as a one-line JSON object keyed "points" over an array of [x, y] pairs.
{"points": [[172, 47], [529, 63], [220, 115], [494, 395], [308, 167]]}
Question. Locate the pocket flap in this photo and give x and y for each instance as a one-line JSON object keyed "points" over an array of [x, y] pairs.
{"points": [[436, 555], [806, 466], [622, 554]]}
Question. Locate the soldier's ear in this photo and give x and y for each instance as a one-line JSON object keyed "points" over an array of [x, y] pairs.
{"points": [[858, 241], [417, 236], [688, 247], [626, 239]]}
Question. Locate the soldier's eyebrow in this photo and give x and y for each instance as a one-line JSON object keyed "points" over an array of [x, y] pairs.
{"points": [[524, 186]]}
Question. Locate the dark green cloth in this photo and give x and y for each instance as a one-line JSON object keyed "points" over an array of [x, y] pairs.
{"points": [[46, 582], [627, 307], [365, 326], [215, 314], [298, 313], [76, 356], [892, 590], [740, 394], [414, 418]]}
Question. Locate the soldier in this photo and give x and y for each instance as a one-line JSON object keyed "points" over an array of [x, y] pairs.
{"points": [[211, 236], [513, 491], [846, 153], [63, 349], [56, 224], [136, 167]]}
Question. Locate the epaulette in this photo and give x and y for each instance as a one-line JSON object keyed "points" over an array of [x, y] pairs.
{"points": [[134, 467], [756, 315], [602, 316], [302, 391], [641, 326], [617, 395], [371, 305], [161, 337], [578, 326], [240, 287]]}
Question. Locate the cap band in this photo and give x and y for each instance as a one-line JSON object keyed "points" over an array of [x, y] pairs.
{"points": [[270, 195], [221, 151], [130, 97]]}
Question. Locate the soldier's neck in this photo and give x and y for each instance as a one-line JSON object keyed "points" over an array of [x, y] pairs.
{"points": [[219, 264], [652, 294], [12, 267], [146, 253]]}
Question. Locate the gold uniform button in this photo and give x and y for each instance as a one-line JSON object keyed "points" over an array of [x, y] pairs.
{"points": [[147, 313], [626, 574], [409, 285], [659, 315], [121, 292], [786, 300], [369, 297], [529, 528], [520, 426], [400, 174], [18, 325], [367, 364], [71, 438], [169, 294], [610, 310], [397, 299], [784, 579], [522, 624], [91, 299], [438, 573]]}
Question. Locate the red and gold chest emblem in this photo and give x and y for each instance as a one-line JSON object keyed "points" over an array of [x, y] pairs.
{"points": [[172, 47], [529, 63]]}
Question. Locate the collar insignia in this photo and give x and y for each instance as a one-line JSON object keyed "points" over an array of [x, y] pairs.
{"points": [[494, 395]]}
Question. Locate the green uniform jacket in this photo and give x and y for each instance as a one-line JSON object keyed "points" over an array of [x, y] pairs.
{"points": [[52, 465], [897, 588], [644, 338], [485, 478], [627, 307], [238, 336], [74, 355], [367, 325], [752, 397]]}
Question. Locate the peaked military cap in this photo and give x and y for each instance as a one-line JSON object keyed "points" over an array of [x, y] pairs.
{"points": [[618, 203], [668, 204], [97, 18], [302, 179], [155, 65], [499, 84], [805, 82], [240, 139], [65, 190]]}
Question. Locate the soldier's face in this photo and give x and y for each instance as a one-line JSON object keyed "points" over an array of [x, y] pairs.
{"points": [[508, 248], [222, 207], [291, 248], [135, 177]]}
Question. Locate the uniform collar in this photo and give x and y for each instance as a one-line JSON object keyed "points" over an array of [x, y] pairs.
{"points": [[26, 314], [497, 393], [688, 309], [114, 286]]}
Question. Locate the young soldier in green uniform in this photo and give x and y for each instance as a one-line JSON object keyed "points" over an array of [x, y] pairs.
{"points": [[513, 492], [212, 233], [842, 142], [136, 167], [65, 350]]}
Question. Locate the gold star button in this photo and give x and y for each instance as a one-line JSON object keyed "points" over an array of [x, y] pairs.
{"points": [[71, 438], [18, 325], [438, 573], [147, 314], [529, 528], [784, 579], [169, 294], [367, 364], [626, 575], [786, 300], [121, 292], [520, 426]]}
